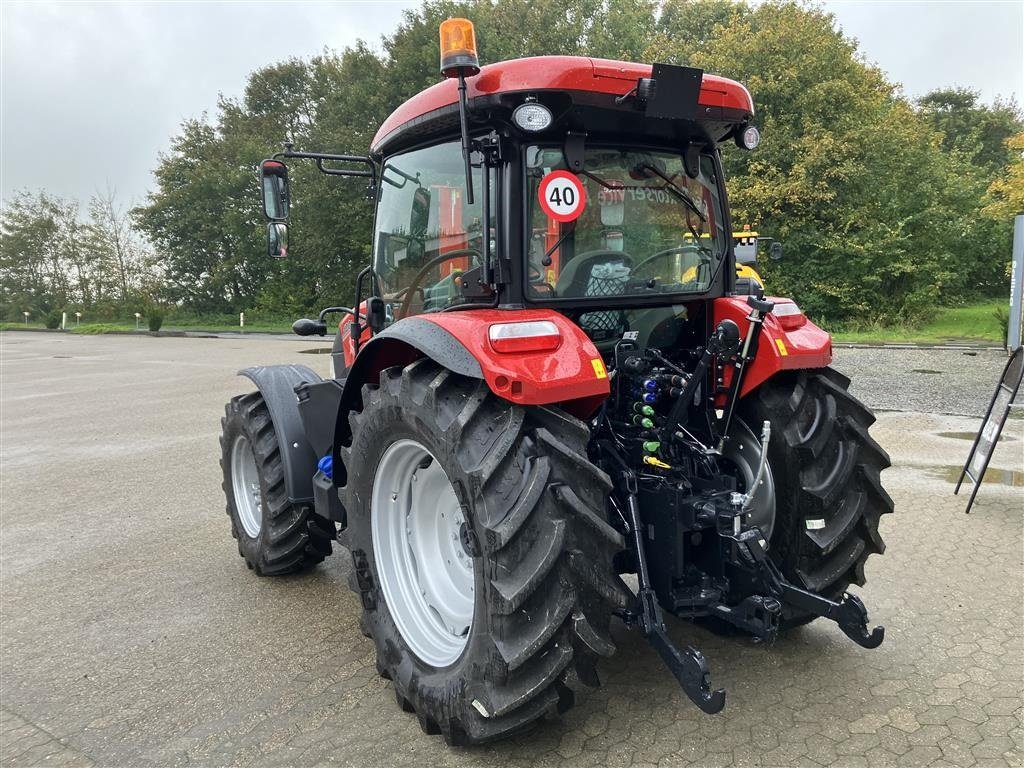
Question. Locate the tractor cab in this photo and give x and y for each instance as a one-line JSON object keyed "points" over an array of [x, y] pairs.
{"points": [[586, 186], [561, 192]]}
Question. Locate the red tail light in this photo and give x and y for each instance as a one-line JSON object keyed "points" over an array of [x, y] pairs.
{"points": [[789, 315], [531, 336]]}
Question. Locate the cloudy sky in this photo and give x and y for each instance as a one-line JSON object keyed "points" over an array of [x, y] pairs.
{"points": [[92, 92]]}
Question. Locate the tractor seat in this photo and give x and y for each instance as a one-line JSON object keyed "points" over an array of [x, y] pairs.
{"points": [[593, 274]]}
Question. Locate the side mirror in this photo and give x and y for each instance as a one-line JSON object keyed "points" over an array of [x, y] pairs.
{"points": [[419, 217], [775, 251], [376, 314], [277, 240], [274, 186], [306, 327]]}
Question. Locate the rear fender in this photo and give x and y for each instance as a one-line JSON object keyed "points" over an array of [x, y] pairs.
{"points": [[788, 341], [572, 376]]}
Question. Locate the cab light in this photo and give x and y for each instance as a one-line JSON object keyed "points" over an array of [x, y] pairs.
{"points": [[532, 116], [789, 315], [531, 336], [750, 138], [458, 48]]}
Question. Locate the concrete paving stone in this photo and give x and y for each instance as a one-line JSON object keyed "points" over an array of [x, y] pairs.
{"points": [[922, 755], [131, 633], [957, 752]]}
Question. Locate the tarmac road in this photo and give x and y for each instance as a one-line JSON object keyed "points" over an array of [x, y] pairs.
{"points": [[131, 633]]}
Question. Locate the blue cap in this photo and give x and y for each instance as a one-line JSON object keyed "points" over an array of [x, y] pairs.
{"points": [[326, 465]]}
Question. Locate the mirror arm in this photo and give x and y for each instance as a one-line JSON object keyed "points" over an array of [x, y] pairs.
{"points": [[343, 310], [321, 157]]}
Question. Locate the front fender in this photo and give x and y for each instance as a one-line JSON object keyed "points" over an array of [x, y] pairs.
{"points": [[277, 384], [787, 343]]}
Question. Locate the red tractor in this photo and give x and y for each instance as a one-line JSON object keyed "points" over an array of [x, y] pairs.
{"points": [[551, 376]]}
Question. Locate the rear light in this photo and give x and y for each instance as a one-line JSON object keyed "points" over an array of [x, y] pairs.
{"points": [[530, 336], [789, 315]]}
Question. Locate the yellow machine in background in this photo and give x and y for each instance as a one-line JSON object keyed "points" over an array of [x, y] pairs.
{"points": [[747, 245]]}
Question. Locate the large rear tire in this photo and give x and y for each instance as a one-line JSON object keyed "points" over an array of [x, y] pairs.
{"points": [[536, 550], [274, 536], [826, 468]]}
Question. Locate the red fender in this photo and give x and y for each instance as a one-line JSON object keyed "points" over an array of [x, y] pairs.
{"points": [[789, 341], [573, 371], [573, 375]]}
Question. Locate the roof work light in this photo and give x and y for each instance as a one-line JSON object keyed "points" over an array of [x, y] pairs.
{"points": [[458, 48], [749, 139]]}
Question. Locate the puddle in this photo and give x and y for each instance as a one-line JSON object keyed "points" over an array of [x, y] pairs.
{"points": [[316, 351], [993, 476], [924, 370], [971, 435]]}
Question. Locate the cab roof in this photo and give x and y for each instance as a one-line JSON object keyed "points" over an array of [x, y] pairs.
{"points": [[720, 99]]}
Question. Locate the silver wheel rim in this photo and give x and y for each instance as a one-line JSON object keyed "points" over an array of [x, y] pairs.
{"points": [[245, 483], [743, 451], [424, 571]]}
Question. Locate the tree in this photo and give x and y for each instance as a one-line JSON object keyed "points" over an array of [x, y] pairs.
{"points": [[977, 130], [119, 251], [1005, 196]]}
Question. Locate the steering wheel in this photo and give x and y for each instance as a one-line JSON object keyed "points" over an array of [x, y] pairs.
{"points": [[670, 251], [410, 290]]}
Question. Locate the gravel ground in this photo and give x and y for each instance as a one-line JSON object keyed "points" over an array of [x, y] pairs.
{"points": [[131, 634], [952, 381]]}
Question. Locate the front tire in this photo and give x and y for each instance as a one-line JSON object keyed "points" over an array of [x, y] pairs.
{"points": [[538, 551], [274, 536], [826, 469]]}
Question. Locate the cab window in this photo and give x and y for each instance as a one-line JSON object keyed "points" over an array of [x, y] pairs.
{"points": [[647, 227], [427, 235]]}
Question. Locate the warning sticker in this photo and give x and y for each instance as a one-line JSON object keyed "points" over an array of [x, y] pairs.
{"points": [[599, 370], [562, 196]]}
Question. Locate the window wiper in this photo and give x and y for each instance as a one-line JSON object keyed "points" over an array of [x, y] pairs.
{"points": [[546, 260], [676, 190]]}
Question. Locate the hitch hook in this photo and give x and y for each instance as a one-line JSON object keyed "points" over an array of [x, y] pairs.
{"points": [[691, 671], [853, 620]]}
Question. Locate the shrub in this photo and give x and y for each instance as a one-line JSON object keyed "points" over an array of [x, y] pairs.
{"points": [[53, 319], [155, 320]]}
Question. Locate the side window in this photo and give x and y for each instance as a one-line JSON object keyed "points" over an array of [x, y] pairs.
{"points": [[427, 235]]}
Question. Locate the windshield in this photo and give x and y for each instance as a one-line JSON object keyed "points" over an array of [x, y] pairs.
{"points": [[643, 227]]}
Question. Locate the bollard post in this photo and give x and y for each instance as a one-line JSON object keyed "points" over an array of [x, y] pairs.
{"points": [[241, 321], [137, 317], [78, 319], [26, 317], [63, 321], [1013, 330]]}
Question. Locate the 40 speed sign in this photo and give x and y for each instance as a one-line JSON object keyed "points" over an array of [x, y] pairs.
{"points": [[562, 196]]}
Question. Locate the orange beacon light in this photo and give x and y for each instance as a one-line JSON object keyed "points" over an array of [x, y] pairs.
{"points": [[458, 48]]}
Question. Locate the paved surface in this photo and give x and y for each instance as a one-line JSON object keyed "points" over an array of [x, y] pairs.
{"points": [[133, 635]]}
